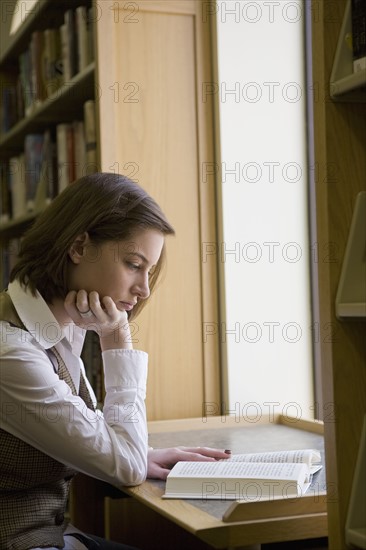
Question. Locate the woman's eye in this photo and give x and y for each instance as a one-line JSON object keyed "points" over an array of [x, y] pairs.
{"points": [[133, 266]]}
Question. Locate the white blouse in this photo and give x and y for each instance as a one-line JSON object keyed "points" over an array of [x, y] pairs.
{"points": [[40, 409]]}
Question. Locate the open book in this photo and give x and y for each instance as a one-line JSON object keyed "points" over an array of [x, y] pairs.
{"points": [[255, 476]]}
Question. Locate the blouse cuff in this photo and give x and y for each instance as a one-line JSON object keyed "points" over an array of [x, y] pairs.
{"points": [[125, 367]]}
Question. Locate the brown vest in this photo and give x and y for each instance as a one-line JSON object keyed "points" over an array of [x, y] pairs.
{"points": [[33, 486]]}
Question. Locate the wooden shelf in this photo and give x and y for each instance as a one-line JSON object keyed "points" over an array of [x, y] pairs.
{"points": [[351, 293], [357, 537], [356, 522], [45, 14], [345, 85], [15, 227], [353, 84], [66, 104]]}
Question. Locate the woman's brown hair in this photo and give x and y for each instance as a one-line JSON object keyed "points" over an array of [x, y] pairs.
{"points": [[109, 207]]}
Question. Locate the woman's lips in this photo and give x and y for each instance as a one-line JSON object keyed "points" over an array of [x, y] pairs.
{"points": [[127, 305]]}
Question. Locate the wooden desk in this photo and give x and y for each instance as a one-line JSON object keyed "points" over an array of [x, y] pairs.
{"points": [[227, 524]]}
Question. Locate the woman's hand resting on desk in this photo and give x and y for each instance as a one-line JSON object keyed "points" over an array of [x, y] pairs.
{"points": [[160, 461]]}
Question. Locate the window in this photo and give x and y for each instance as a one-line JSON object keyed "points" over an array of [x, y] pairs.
{"points": [[265, 251]]}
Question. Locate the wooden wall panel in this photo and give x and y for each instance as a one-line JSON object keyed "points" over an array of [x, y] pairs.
{"points": [[155, 128]]}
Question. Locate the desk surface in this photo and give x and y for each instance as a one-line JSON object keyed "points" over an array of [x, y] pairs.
{"points": [[210, 519]]}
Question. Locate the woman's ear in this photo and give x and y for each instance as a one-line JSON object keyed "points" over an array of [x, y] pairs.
{"points": [[77, 249]]}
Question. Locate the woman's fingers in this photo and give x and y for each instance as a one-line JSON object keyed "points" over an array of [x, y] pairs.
{"points": [[84, 308], [206, 452], [82, 301]]}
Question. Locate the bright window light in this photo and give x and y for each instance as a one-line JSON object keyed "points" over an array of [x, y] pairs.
{"points": [[265, 249]]}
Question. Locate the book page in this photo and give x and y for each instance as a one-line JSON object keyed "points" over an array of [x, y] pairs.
{"points": [[237, 480], [307, 456], [232, 469]]}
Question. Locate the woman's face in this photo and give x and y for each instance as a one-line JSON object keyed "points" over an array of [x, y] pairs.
{"points": [[119, 269]]}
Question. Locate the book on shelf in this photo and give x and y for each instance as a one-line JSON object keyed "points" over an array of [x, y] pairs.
{"points": [[90, 34], [79, 148], [71, 152], [33, 151], [37, 74], [90, 137], [17, 186], [81, 28], [71, 44], [48, 185], [50, 161], [11, 108], [65, 168], [249, 477], [358, 20], [51, 58], [53, 64], [77, 40], [25, 76], [31, 176]]}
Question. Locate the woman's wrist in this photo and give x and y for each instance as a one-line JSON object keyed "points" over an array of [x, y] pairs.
{"points": [[118, 339]]}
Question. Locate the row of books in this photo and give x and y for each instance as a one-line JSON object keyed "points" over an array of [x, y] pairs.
{"points": [[50, 161], [53, 57]]}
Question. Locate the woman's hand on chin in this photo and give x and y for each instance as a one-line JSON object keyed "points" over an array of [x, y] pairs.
{"points": [[101, 315]]}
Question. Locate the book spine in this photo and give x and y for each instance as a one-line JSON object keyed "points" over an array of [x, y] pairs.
{"points": [[25, 78], [62, 157], [53, 64], [81, 15], [70, 152], [33, 147], [69, 20], [17, 185], [90, 32], [9, 109], [36, 48], [90, 137], [20, 99], [79, 148], [65, 52], [48, 178]]}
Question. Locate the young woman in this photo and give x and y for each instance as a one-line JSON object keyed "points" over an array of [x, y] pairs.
{"points": [[89, 262]]}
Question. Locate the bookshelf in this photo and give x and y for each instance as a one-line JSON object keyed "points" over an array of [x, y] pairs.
{"points": [[345, 84], [351, 293], [356, 523], [36, 98], [340, 143], [68, 99]]}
